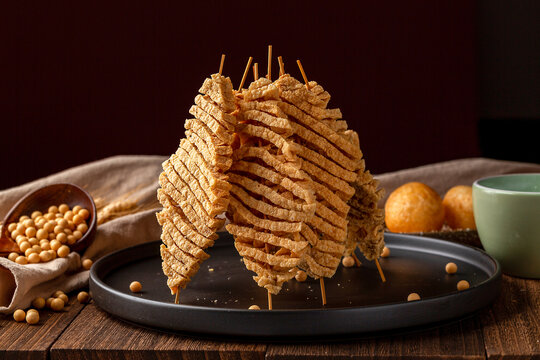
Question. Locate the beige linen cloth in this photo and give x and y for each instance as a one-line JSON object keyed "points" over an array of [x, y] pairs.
{"points": [[138, 177]]}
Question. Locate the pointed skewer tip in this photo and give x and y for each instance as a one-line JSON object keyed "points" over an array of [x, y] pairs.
{"points": [[381, 273]]}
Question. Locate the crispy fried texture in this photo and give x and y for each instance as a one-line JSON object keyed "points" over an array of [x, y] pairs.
{"points": [[285, 168], [271, 197], [194, 189], [331, 156], [366, 220]]}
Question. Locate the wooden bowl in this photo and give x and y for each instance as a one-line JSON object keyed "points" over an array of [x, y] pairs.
{"points": [[56, 194]]}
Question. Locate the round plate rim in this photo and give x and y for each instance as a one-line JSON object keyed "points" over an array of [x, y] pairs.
{"points": [[97, 284]]}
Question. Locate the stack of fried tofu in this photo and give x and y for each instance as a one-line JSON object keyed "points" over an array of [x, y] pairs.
{"points": [[287, 172]]}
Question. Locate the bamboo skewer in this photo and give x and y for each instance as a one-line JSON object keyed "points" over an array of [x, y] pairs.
{"points": [[245, 73], [323, 291], [356, 260], [269, 75], [221, 63], [303, 73], [177, 297], [256, 71], [380, 270], [269, 300], [281, 66]]}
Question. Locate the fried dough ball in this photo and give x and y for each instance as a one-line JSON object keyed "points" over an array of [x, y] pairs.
{"points": [[414, 207], [458, 208]]}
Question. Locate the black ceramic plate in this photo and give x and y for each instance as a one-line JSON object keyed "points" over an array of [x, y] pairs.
{"points": [[217, 299]]}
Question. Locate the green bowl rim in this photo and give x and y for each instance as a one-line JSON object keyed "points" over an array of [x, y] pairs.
{"points": [[515, 192]]}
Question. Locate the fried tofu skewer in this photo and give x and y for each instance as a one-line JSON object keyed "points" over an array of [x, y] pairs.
{"points": [[191, 202], [365, 228], [321, 279], [271, 198]]}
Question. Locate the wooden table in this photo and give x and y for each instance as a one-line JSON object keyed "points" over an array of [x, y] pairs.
{"points": [[509, 329]]}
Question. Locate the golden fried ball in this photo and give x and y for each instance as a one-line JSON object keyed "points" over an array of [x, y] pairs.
{"points": [[458, 207], [414, 207]]}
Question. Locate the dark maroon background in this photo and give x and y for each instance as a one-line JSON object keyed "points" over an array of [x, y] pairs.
{"points": [[82, 80]]}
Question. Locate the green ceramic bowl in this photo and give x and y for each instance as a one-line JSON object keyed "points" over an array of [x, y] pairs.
{"points": [[507, 215]]}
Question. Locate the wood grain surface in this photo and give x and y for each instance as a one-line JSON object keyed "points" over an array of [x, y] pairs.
{"points": [[23, 341], [106, 338], [509, 329], [458, 341]]}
